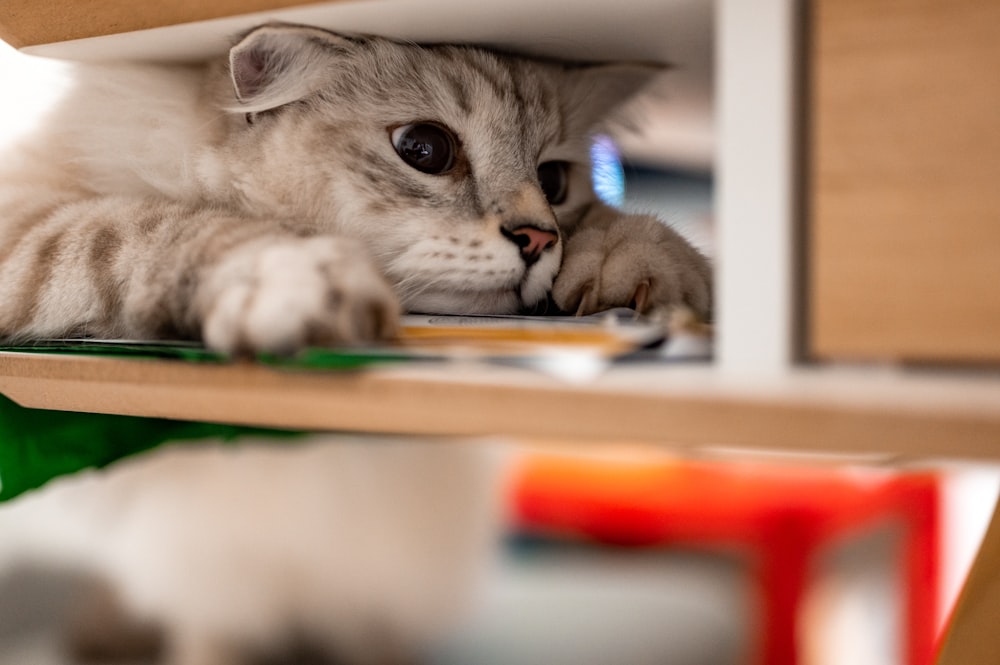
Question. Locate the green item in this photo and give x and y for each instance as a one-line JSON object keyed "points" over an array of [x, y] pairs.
{"points": [[192, 352], [37, 445]]}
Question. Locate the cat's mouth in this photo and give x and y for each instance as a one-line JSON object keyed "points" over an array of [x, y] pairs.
{"points": [[529, 294], [476, 279]]}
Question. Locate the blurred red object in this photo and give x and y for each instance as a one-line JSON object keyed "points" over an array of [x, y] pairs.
{"points": [[783, 514]]}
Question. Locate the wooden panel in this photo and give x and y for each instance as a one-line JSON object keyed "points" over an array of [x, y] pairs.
{"points": [[904, 195], [868, 415], [973, 636], [30, 22]]}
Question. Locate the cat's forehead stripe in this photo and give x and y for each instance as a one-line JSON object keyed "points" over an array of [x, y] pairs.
{"points": [[460, 90], [528, 101], [486, 71]]}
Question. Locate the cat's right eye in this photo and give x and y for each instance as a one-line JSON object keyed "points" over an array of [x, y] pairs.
{"points": [[553, 178], [426, 147]]}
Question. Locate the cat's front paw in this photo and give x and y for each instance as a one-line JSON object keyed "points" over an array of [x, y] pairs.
{"points": [[634, 261], [281, 295]]}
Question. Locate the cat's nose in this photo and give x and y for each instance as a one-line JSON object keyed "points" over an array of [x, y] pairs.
{"points": [[532, 241]]}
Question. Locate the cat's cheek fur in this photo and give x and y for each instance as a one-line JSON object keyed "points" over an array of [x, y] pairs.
{"points": [[469, 269], [279, 295], [488, 295]]}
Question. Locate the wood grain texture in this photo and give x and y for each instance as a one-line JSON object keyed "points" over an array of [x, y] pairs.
{"points": [[904, 193], [972, 635], [871, 416], [31, 22]]}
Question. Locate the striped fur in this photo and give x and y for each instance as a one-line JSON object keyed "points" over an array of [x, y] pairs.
{"points": [[257, 202]]}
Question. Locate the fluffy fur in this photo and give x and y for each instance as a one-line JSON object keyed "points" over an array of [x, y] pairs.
{"points": [[363, 549], [258, 203]]}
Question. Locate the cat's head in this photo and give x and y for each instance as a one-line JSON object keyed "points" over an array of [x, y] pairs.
{"points": [[460, 168]]}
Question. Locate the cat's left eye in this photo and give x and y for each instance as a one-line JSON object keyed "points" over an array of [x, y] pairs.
{"points": [[553, 178], [426, 147]]}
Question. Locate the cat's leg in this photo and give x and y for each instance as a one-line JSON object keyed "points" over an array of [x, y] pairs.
{"points": [[124, 267], [613, 259]]}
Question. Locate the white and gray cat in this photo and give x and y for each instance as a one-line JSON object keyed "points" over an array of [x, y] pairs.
{"points": [[306, 190], [311, 186]]}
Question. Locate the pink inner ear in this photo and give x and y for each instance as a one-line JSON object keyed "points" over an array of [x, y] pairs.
{"points": [[249, 71]]}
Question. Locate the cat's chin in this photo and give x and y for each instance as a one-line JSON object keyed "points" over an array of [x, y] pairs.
{"points": [[496, 301]]}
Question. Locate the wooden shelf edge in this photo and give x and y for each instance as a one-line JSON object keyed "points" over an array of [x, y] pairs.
{"points": [[28, 23], [670, 406], [971, 636]]}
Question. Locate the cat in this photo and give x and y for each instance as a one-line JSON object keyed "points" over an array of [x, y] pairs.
{"points": [[311, 186]]}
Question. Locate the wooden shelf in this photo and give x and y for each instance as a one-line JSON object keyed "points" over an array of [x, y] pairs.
{"points": [[30, 23], [904, 158], [873, 414]]}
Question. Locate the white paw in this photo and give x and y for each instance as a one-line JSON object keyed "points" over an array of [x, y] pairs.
{"points": [[635, 262], [281, 295]]}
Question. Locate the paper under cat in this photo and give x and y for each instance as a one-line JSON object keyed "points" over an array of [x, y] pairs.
{"points": [[311, 186]]}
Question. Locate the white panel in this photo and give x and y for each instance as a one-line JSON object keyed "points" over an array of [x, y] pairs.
{"points": [[755, 199], [586, 29]]}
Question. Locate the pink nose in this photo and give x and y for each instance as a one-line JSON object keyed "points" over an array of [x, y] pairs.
{"points": [[532, 241]]}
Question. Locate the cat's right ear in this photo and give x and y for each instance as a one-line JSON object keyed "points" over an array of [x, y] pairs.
{"points": [[596, 92], [277, 64]]}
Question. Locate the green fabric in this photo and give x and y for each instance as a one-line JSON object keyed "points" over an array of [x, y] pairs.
{"points": [[311, 358], [37, 445]]}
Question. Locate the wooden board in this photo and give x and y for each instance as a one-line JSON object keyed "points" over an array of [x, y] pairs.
{"points": [[973, 636], [904, 160], [29, 22], [869, 415]]}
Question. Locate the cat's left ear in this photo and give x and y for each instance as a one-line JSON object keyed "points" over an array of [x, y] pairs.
{"points": [[597, 91], [277, 64]]}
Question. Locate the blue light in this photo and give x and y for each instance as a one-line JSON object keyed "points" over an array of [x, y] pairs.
{"points": [[608, 174]]}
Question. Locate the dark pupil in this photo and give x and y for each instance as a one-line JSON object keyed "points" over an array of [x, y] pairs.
{"points": [[427, 148], [552, 179]]}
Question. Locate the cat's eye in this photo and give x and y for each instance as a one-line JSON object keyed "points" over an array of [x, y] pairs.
{"points": [[426, 147], [553, 178]]}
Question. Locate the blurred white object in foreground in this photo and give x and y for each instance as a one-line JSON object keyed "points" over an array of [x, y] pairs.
{"points": [[365, 547]]}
